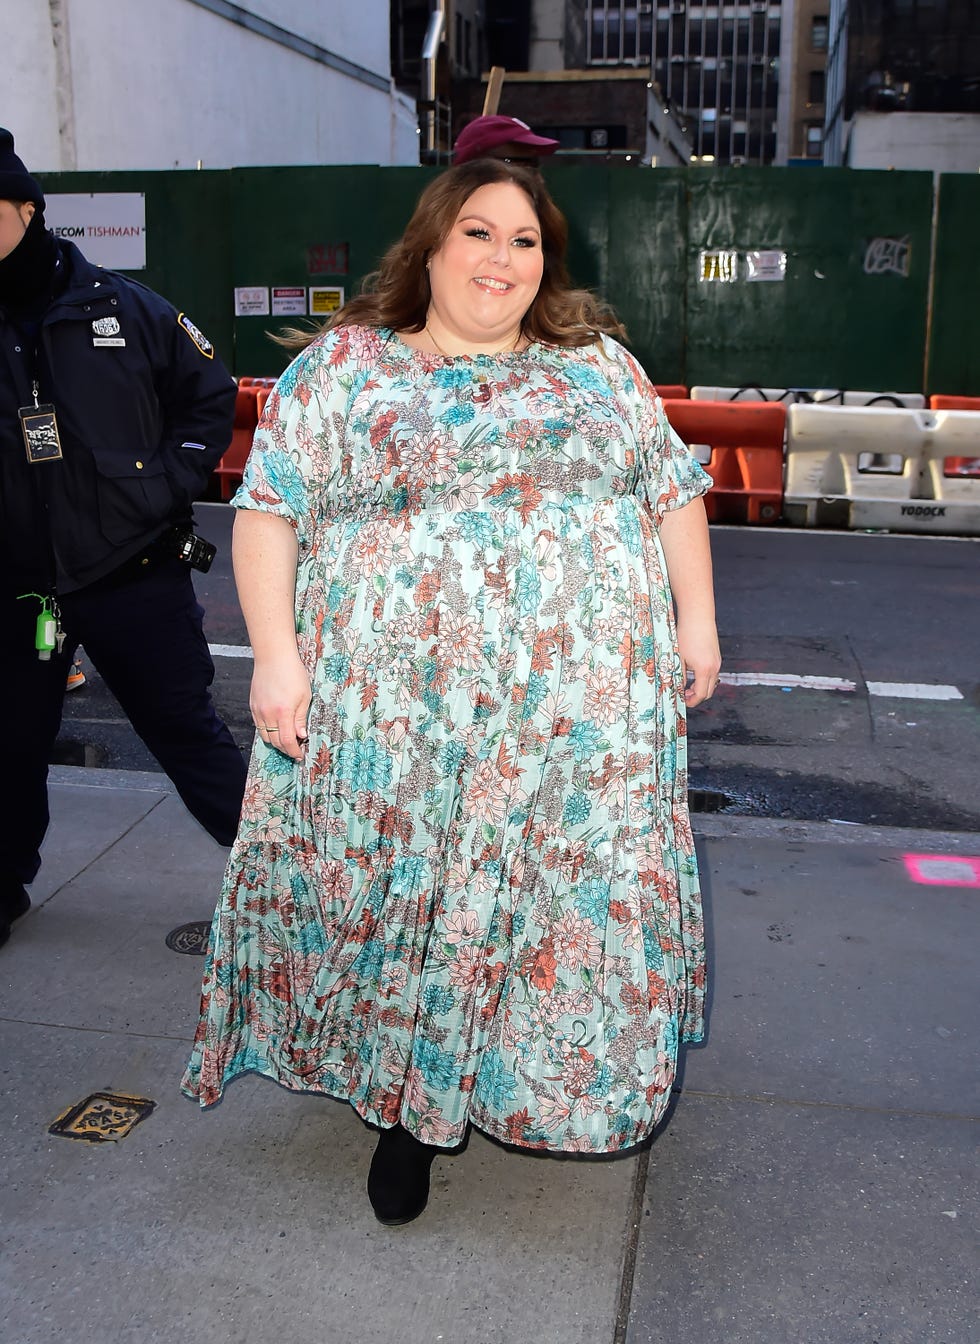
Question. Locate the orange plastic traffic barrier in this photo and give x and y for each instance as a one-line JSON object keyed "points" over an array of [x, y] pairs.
{"points": [[673, 391], [743, 443], [229, 469], [957, 466]]}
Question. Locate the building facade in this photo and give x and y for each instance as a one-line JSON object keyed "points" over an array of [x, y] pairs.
{"points": [[608, 112], [803, 82], [903, 58], [202, 83], [717, 65]]}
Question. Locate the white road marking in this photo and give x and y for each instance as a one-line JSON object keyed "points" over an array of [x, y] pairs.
{"points": [[789, 679], [230, 650], [897, 690], [913, 690]]}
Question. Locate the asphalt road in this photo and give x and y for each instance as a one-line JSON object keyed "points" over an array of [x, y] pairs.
{"points": [[858, 609]]}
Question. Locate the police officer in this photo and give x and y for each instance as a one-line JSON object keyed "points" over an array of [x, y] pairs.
{"points": [[113, 411]]}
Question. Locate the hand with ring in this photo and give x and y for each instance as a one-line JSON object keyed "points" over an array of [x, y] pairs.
{"points": [[280, 702]]}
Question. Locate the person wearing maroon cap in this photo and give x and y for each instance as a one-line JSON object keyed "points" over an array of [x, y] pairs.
{"points": [[464, 889], [502, 138]]}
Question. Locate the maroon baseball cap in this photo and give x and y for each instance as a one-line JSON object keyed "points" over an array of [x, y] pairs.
{"points": [[484, 134]]}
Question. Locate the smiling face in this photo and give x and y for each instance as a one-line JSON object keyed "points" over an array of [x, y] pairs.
{"points": [[486, 273]]}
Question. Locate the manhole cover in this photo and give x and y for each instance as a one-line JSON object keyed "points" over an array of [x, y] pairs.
{"points": [[190, 938], [102, 1118]]}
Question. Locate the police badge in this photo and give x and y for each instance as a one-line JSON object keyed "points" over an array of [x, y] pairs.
{"points": [[105, 331]]}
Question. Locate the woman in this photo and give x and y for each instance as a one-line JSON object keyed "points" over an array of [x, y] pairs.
{"points": [[464, 889]]}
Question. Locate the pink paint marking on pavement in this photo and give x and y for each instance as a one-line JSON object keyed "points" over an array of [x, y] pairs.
{"points": [[944, 870]]}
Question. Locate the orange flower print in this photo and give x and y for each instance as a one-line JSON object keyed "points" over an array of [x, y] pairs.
{"points": [[544, 970], [518, 489]]}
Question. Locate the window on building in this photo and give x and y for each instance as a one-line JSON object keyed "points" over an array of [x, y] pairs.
{"points": [[814, 140], [819, 32], [619, 34], [464, 40], [818, 86]]}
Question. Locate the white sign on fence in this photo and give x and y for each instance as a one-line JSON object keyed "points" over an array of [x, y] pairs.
{"points": [[109, 227], [252, 301]]}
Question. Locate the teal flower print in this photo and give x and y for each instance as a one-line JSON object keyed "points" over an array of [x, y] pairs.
{"points": [[537, 690], [364, 766], [438, 999], [477, 527], [286, 385], [495, 1083], [336, 667], [652, 950], [283, 479], [585, 739], [629, 528], [370, 961], [451, 757], [460, 414], [408, 873], [602, 1086], [576, 810], [592, 901], [527, 588], [335, 596], [437, 1066]]}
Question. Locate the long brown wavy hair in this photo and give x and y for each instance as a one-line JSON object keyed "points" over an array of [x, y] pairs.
{"points": [[397, 294]]}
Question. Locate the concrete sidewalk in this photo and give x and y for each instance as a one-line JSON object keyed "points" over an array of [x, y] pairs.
{"points": [[813, 1184]]}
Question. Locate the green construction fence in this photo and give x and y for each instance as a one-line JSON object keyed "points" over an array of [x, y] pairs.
{"points": [[785, 277]]}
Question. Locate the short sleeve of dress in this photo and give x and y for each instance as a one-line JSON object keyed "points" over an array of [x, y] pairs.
{"points": [[668, 474], [296, 448]]}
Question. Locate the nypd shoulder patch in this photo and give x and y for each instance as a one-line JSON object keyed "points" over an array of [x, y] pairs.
{"points": [[196, 335]]}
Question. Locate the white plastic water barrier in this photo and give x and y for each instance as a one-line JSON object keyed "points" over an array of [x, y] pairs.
{"points": [[880, 467], [818, 395]]}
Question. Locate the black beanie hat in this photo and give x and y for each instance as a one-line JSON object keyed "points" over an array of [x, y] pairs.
{"points": [[16, 183]]}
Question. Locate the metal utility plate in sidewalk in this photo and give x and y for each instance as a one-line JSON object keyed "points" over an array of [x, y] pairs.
{"points": [[103, 1117]]}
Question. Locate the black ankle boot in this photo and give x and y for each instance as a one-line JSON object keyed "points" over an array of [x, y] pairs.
{"points": [[398, 1182], [14, 902]]}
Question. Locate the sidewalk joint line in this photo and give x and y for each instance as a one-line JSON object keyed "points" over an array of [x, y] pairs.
{"points": [[96, 1031], [828, 1105], [634, 1219], [102, 853]]}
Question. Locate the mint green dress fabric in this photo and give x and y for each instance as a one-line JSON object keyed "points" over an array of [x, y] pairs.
{"points": [[476, 899]]}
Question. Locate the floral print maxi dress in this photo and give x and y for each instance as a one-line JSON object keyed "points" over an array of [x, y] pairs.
{"points": [[476, 899]]}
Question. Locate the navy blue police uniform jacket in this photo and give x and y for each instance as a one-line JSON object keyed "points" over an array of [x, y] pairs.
{"points": [[144, 408]]}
